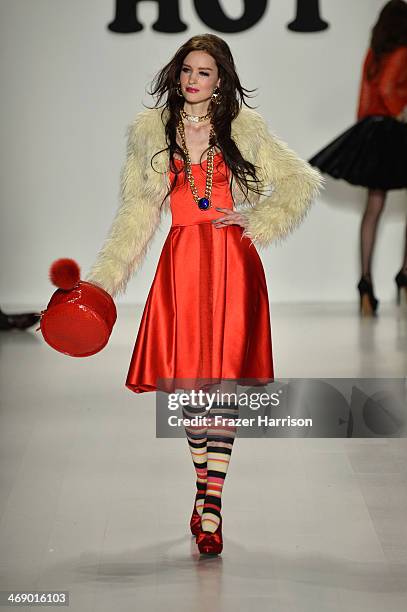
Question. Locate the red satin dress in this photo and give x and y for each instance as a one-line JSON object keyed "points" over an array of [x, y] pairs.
{"points": [[206, 317]]}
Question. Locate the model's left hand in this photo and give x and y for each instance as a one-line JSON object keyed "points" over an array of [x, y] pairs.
{"points": [[232, 218]]}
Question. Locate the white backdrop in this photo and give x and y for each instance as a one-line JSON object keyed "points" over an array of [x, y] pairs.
{"points": [[70, 87]]}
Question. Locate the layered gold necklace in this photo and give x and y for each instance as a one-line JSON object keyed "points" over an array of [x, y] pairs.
{"points": [[203, 203]]}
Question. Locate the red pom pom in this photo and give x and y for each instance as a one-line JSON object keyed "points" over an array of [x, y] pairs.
{"points": [[64, 273]]}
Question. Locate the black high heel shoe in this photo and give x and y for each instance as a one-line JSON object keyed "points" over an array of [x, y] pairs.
{"points": [[401, 282], [368, 301]]}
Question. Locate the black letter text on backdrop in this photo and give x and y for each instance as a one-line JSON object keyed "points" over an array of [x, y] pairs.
{"points": [[210, 12], [168, 20], [308, 18]]}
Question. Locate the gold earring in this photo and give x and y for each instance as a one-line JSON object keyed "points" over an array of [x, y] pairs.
{"points": [[216, 95], [178, 90]]}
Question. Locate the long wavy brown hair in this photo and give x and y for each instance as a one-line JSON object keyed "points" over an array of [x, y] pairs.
{"points": [[389, 32], [231, 98]]}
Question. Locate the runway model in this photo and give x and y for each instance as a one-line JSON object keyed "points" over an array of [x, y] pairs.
{"points": [[207, 313], [372, 153]]}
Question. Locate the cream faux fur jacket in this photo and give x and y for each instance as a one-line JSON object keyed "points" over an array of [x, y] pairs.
{"points": [[290, 185]]}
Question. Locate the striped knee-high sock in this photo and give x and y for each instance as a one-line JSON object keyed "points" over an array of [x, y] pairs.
{"points": [[196, 438], [220, 438]]}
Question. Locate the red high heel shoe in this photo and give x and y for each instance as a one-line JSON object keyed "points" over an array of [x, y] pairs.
{"points": [[210, 543], [195, 522]]}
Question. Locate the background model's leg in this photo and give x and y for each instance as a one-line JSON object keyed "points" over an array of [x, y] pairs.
{"points": [[401, 277], [374, 206], [404, 267]]}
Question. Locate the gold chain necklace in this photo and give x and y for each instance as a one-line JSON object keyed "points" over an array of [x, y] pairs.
{"points": [[205, 202], [195, 118]]}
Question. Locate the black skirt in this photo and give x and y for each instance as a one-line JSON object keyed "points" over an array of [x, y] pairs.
{"points": [[371, 153]]}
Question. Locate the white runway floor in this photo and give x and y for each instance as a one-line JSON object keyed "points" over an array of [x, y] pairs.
{"points": [[93, 503]]}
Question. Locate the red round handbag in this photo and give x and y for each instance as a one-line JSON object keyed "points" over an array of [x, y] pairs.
{"points": [[78, 321]]}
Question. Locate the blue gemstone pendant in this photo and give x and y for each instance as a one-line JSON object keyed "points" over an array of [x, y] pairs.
{"points": [[203, 203]]}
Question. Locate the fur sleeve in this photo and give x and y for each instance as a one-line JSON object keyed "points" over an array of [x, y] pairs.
{"points": [[137, 219], [295, 184]]}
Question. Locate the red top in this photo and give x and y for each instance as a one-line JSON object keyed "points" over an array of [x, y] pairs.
{"points": [[184, 209], [386, 93]]}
